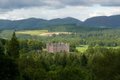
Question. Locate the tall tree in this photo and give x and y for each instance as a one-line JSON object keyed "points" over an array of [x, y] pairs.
{"points": [[1, 49], [84, 60], [8, 67], [13, 47]]}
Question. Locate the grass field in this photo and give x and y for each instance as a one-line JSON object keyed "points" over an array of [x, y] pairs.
{"points": [[7, 34], [32, 32], [40, 32], [82, 48]]}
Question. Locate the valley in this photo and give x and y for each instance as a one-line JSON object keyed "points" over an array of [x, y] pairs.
{"points": [[79, 40], [59, 39]]}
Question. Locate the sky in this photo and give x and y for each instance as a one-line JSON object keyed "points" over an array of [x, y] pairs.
{"points": [[49, 9]]}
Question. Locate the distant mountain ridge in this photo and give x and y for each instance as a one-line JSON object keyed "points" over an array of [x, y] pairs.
{"points": [[32, 23], [103, 21], [36, 23]]}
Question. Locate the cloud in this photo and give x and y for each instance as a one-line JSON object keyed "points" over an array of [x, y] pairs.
{"points": [[16, 4], [79, 12], [13, 4], [48, 9], [107, 2]]}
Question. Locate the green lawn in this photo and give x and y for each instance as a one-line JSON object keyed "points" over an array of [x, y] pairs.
{"points": [[32, 32], [82, 48]]}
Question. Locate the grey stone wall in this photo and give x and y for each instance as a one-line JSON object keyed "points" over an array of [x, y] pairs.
{"points": [[57, 47]]}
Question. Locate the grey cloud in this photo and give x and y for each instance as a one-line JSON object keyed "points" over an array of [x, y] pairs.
{"points": [[106, 2], [91, 2], [111, 4], [14, 4], [75, 2]]}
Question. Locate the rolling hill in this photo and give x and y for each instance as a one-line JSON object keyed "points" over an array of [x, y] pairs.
{"points": [[36, 23], [103, 21]]}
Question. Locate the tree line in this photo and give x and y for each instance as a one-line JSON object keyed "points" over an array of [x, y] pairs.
{"points": [[96, 63]]}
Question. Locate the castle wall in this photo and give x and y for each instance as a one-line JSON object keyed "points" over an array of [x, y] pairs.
{"points": [[57, 47]]}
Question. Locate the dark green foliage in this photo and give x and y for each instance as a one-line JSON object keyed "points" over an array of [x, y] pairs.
{"points": [[73, 48], [104, 64], [34, 45], [31, 45], [3, 41], [8, 69], [72, 73], [13, 47], [84, 60], [1, 49], [97, 63], [52, 67]]}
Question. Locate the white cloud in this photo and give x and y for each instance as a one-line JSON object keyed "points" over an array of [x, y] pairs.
{"points": [[104, 11], [17, 4], [78, 12]]}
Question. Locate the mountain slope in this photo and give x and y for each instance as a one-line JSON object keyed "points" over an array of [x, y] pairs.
{"points": [[30, 23], [35, 23], [64, 21], [103, 21]]}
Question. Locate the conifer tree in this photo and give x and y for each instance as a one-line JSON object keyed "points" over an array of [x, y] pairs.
{"points": [[84, 60], [1, 49], [13, 47]]}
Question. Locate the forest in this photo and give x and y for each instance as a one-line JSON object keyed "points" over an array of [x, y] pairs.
{"points": [[23, 57]]}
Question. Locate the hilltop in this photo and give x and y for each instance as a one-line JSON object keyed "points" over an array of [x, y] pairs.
{"points": [[37, 23]]}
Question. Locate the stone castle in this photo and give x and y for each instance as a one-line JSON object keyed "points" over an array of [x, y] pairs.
{"points": [[57, 47]]}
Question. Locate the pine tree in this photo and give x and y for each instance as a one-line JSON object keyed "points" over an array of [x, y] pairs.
{"points": [[84, 60], [13, 47], [1, 49]]}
